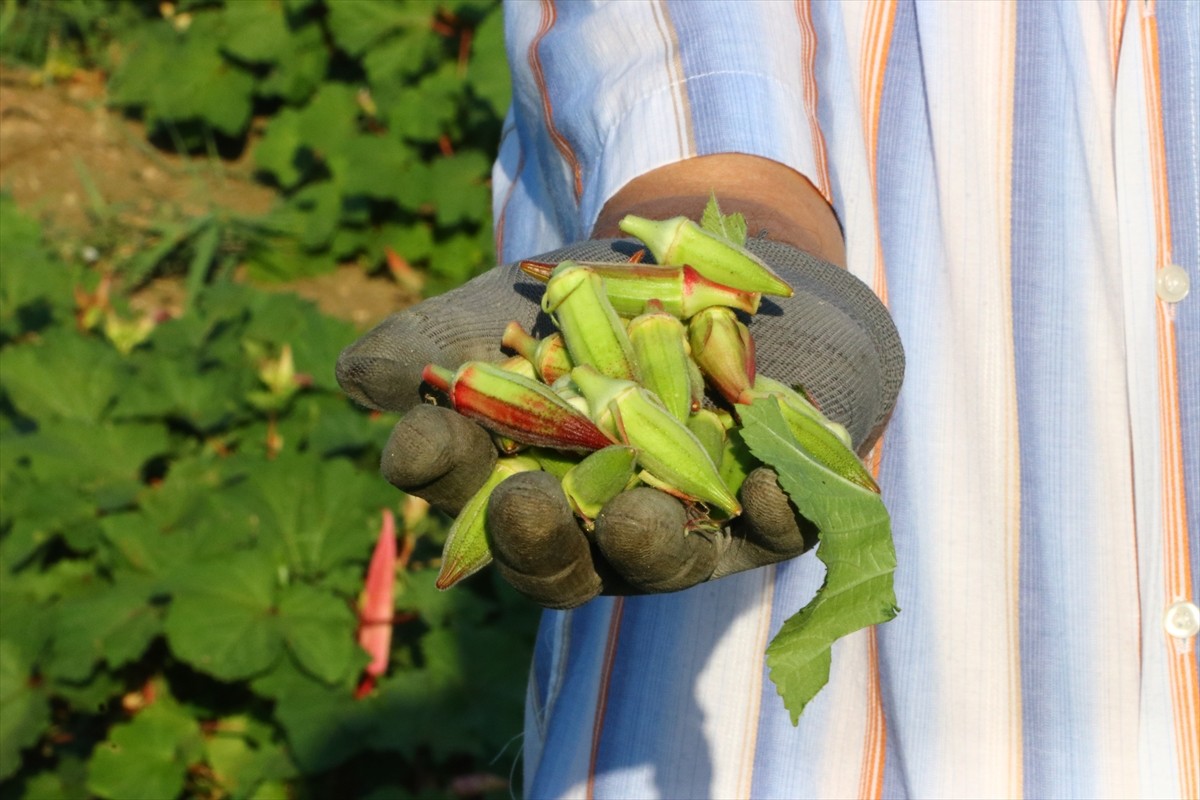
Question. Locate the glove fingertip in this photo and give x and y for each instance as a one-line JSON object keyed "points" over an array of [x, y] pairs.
{"points": [[536, 543], [642, 535], [439, 456], [769, 519]]}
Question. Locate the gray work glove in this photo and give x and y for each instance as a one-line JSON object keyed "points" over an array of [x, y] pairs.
{"points": [[833, 336]]}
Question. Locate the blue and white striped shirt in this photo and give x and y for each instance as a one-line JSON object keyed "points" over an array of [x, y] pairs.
{"points": [[1020, 183]]}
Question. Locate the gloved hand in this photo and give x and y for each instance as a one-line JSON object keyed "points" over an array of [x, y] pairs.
{"points": [[833, 336]]}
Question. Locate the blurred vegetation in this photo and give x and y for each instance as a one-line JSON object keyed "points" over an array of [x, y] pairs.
{"points": [[376, 120], [188, 505]]}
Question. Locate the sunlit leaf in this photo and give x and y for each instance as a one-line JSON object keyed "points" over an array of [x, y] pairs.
{"points": [[62, 374], [356, 25], [855, 547]]}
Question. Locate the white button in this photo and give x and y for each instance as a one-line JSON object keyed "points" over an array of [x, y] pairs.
{"points": [[1172, 283], [1182, 619]]}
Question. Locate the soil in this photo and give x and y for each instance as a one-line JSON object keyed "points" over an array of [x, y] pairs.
{"points": [[81, 167]]}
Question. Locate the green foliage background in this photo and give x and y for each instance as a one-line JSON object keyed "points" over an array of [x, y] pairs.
{"points": [[184, 533]]}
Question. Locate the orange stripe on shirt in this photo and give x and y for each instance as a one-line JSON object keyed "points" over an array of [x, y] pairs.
{"points": [[808, 61], [1185, 682], [1116, 27], [610, 656], [878, 37], [549, 15]]}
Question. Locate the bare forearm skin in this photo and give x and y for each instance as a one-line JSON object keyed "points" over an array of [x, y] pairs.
{"points": [[773, 197]]}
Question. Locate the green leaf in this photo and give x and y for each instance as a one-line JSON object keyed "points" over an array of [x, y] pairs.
{"points": [[97, 694], [321, 204], [223, 619], [112, 623], [34, 288], [855, 546], [339, 428], [316, 339], [456, 259], [98, 458], [459, 193], [324, 730], [438, 96], [400, 60], [330, 522], [374, 165], [297, 142], [182, 390], [36, 512], [487, 73], [148, 756], [329, 120], [731, 226], [357, 24], [204, 88], [62, 375], [287, 681], [24, 710], [474, 705], [294, 78], [257, 31], [278, 151], [66, 782], [175, 519], [319, 629], [243, 752]]}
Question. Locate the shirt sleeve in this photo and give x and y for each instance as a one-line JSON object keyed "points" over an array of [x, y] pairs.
{"points": [[603, 93]]}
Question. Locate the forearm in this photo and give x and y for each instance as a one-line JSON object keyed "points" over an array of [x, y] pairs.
{"points": [[773, 197]]}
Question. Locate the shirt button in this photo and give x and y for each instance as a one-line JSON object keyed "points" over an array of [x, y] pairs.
{"points": [[1172, 283], [1182, 619]]}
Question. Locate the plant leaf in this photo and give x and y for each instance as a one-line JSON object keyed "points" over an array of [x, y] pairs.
{"points": [[319, 629], [855, 547], [148, 756], [356, 26], [62, 374], [329, 523], [222, 619], [24, 711], [112, 623], [731, 226]]}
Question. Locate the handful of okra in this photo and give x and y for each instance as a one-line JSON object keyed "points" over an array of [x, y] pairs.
{"points": [[640, 385]]}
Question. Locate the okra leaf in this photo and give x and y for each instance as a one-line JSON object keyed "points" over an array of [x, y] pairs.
{"points": [[113, 623], [855, 545], [62, 375], [148, 756], [223, 618], [727, 226], [318, 628], [26, 709]]}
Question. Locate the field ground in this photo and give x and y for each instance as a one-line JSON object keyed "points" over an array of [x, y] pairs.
{"points": [[87, 172]]}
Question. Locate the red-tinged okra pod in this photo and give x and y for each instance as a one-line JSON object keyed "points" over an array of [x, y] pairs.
{"points": [[548, 355], [515, 406], [724, 350], [681, 289], [680, 240]]}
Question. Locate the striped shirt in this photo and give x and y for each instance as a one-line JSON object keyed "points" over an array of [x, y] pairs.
{"points": [[1020, 184]]}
